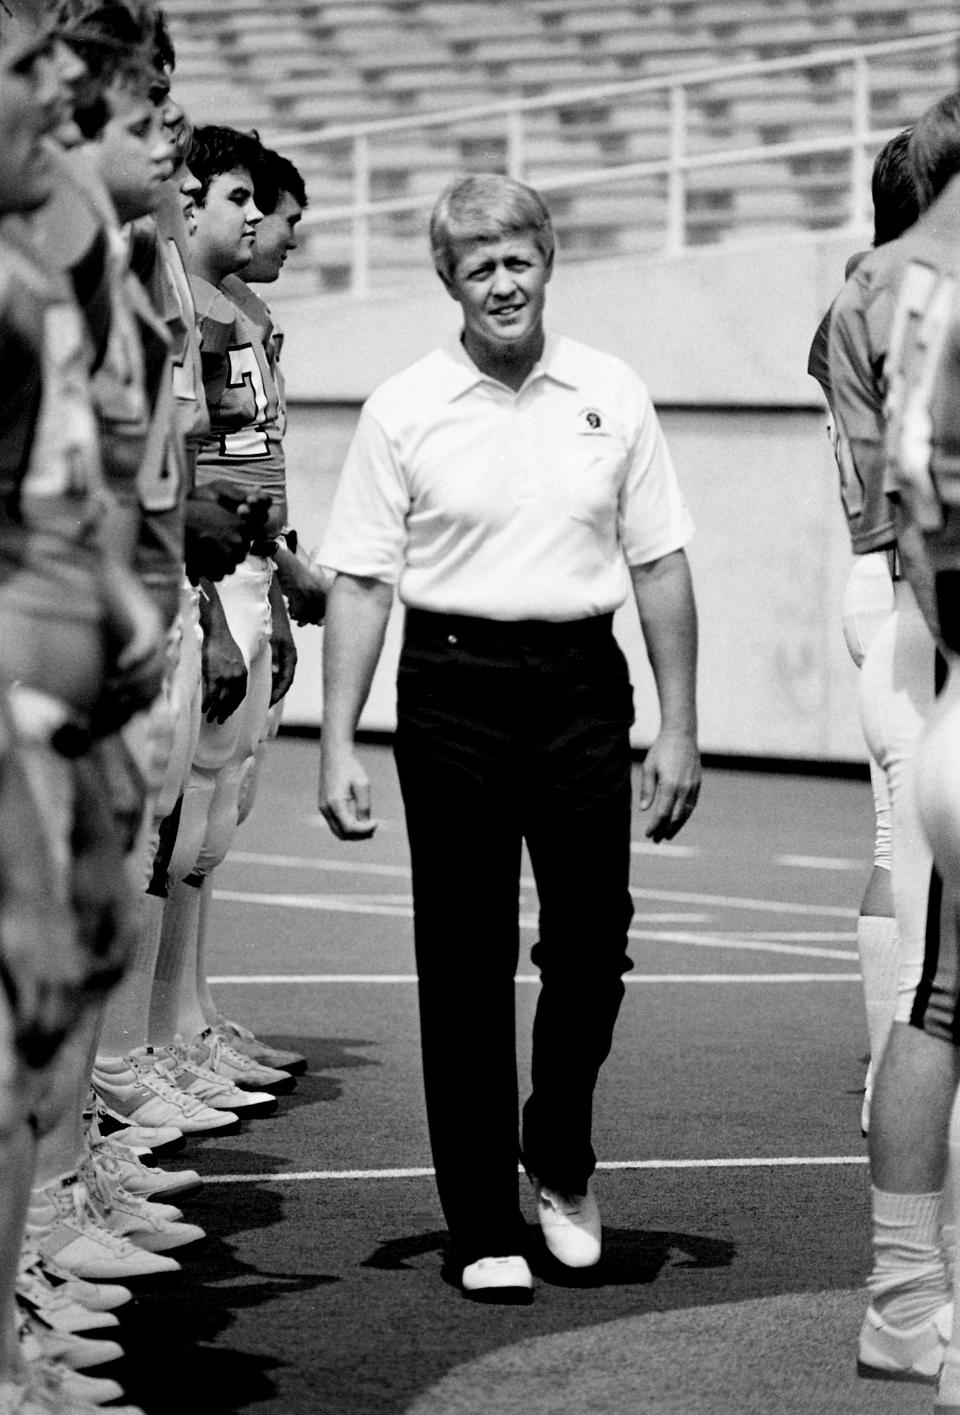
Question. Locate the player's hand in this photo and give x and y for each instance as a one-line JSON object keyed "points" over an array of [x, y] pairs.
{"points": [[284, 653], [252, 506], [345, 795], [215, 539], [669, 784], [304, 587], [135, 650], [224, 676]]}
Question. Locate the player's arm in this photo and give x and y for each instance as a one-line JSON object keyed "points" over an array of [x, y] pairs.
{"points": [[357, 613], [302, 583], [670, 782], [224, 670], [915, 564]]}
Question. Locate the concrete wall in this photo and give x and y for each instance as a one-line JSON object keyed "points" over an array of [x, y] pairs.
{"points": [[722, 340]]}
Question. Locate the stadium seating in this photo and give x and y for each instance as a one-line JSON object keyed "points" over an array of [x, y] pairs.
{"points": [[309, 66]]}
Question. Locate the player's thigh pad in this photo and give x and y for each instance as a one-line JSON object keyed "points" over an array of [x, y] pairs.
{"points": [[867, 601]]}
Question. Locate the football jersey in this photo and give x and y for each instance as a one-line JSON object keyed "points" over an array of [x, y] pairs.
{"points": [[169, 287], [271, 336], [923, 382], [131, 375], [860, 323], [244, 445], [50, 483]]}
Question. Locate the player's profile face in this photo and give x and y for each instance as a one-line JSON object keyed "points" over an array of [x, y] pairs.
{"points": [[276, 234], [189, 187], [134, 153], [500, 285], [226, 223], [30, 107]]}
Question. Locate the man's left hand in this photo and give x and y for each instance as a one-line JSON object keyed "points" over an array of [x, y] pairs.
{"points": [[670, 784], [283, 649]]}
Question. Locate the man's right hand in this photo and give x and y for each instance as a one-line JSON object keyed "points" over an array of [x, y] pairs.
{"points": [[221, 523], [135, 650], [224, 675], [345, 795]]}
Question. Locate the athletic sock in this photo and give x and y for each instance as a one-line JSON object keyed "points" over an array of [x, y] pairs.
{"points": [[908, 1283]]}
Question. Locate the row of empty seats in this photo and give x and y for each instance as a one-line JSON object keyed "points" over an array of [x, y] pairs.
{"points": [[308, 66]]}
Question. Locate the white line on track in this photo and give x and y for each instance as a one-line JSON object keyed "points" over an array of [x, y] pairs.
{"points": [[737, 942], [364, 904], [273, 979], [784, 1162], [676, 852], [818, 862], [326, 903], [734, 941], [664, 896]]}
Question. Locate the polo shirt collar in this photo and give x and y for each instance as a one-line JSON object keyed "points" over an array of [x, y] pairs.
{"points": [[460, 373]]}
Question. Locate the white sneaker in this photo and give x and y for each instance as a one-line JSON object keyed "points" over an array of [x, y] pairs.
{"points": [[885, 1353], [40, 1391], [103, 1124], [148, 1181], [144, 1095], [208, 1048], [506, 1280], [39, 1341], [72, 1386], [154, 1227], [570, 1225], [52, 1302], [214, 1089], [63, 1225], [243, 1040], [97, 1297]]}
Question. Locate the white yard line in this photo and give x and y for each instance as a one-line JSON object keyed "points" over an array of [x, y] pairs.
{"points": [[295, 979], [666, 896], [819, 862], [339, 904], [784, 1162]]}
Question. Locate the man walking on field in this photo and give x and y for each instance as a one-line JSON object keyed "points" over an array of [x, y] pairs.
{"points": [[512, 486]]}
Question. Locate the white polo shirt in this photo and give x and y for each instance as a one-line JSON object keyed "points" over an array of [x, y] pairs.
{"points": [[476, 500]]}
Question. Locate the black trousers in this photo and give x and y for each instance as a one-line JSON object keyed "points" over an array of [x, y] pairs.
{"points": [[509, 733]]}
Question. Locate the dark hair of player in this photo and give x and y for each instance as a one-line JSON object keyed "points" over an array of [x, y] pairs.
{"points": [[217, 149], [896, 204], [116, 43], [149, 20], [275, 174], [935, 147]]}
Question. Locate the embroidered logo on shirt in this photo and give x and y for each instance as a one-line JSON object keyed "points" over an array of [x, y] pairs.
{"points": [[591, 423]]}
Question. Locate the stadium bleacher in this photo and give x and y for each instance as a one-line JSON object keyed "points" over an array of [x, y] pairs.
{"points": [[308, 66]]}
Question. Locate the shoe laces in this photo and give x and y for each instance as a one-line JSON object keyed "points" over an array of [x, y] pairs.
{"points": [[182, 1063], [224, 1026], [115, 1155], [160, 1084], [84, 1213], [222, 1052], [102, 1186]]}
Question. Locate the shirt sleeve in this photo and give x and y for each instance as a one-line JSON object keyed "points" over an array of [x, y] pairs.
{"points": [[653, 518], [856, 368], [367, 531]]}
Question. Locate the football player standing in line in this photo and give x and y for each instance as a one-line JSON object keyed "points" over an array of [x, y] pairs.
{"points": [[905, 1328]]}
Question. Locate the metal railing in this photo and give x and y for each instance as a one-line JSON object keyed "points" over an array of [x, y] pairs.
{"points": [[512, 119]]}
